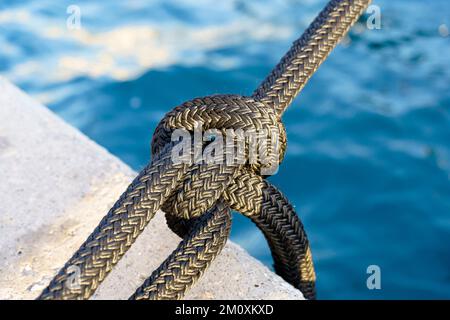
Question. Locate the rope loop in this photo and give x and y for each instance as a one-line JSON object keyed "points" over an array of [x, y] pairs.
{"points": [[249, 140]]}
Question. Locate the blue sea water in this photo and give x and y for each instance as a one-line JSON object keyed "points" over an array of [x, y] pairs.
{"points": [[368, 159]]}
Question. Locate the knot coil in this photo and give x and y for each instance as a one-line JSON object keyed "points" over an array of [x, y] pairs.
{"points": [[249, 141]]}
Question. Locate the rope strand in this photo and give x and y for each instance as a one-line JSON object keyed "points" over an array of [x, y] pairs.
{"points": [[307, 53]]}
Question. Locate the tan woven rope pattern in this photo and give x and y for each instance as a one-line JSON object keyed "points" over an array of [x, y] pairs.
{"points": [[197, 197]]}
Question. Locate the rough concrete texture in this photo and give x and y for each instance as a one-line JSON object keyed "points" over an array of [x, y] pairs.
{"points": [[56, 184]]}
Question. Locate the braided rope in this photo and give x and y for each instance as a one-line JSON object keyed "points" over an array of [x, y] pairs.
{"points": [[308, 52], [187, 263], [197, 197], [118, 229]]}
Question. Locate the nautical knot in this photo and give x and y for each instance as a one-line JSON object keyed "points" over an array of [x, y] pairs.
{"points": [[205, 182], [196, 195]]}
